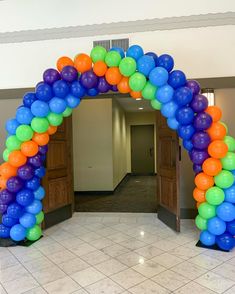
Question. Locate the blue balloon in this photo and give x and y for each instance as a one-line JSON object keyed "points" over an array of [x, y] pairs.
{"points": [[225, 241], [18, 233], [230, 194], [164, 94], [60, 89], [216, 226], [72, 101], [226, 211], [40, 172], [135, 51], [92, 92], [183, 96], [188, 145], [28, 99], [177, 79], [186, 132], [27, 220], [24, 197], [57, 105], [119, 50], [184, 115], [230, 227], [168, 109], [207, 238], [11, 126], [158, 76], [44, 92], [166, 61], [9, 221], [77, 89], [172, 123], [33, 184], [24, 115], [35, 207], [15, 210], [154, 56], [39, 194], [4, 232], [145, 64], [40, 108]]}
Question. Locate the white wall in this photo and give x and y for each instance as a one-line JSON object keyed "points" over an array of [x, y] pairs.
{"points": [[119, 143]]}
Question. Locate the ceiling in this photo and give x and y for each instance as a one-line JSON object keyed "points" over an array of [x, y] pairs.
{"points": [[132, 105]]}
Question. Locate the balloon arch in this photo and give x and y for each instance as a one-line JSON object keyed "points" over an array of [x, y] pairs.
{"points": [[141, 75]]}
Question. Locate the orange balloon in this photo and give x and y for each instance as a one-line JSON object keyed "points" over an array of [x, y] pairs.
{"points": [[123, 85], [203, 181], [17, 158], [3, 183], [216, 131], [41, 139], [217, 149], [212, 166], [64, 61], [82, 62], [215, 112], [52, 130], [113, 75], [199, 195], [7, 170], [100, 68], [29, 148], [135, 94]]}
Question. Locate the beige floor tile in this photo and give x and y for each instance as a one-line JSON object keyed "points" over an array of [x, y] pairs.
{"points": [[83, 249], [183, 252], [2, 290], [165, 245], [8, 261], [167, 260], [38, 290], [225, 270], [37, 264], [128, 278], [118, 237], [110, 267], [61, 256], [95, 257], [149, 251], [20, 285], [48, 275], [148, 287], [105, 286], [74, 265], [115, 250], [149, 268], [102, 243], [13, 273], [72, 243], [193, 288], [230, 291], [189, 270], [132, 244], [89, 237], [62, 286], [87, 276], [205, 261], [130, 258], [51, 248]]}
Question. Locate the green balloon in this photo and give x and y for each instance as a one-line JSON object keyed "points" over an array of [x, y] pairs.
{"points": [[98, 53], [215, 195], [127, 66], [230, 142], [24, 133], [34, 233], [6, 154], [55, 119], [67, 112], [201, 223], [113, 58], [156, 104], [13, 143], [137, 81], [228, 162], [149, 91], [39, 217], [224, 179], [39, 124], [206, 210]]}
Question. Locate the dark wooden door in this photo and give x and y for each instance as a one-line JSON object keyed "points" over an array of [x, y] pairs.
{"points": [[58, 182], [168, 174]]}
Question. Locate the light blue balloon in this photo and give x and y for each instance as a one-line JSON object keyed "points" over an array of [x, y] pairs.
{"points": [[40, 108], [135, 51], [172, 123], [57, 105], [207, 238], [119, 50], [28, 220], [24, 115], [165, 93], [168, 109], [216, 226], [39, 194], [230, 194], [18, 233], [145, 64], [35, 207], [226, 211], [11, 126], [158, 76], [72, 101]]}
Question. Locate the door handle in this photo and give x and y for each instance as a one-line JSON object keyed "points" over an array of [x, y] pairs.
{"points": [[151, 152]]}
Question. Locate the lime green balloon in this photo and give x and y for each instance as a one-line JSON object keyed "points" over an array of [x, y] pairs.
{"points": [[230, 142], [215, 195], [228, 162], [224, 179], [55, 119], [206, 210], [201, 223], [127, 66], [149, 91], [24, 133], [13, 143], [98, 53], [226, 127], [113, 58], [156, 104], [137, 81], [39, 217], [68, 111], [39, 124], [34, 233], [5, 154]]}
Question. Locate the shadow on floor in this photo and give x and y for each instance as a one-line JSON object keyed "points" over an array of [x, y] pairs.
{"points": [[134, 194]]}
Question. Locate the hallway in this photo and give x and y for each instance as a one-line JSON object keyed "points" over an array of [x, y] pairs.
{"points": [[134, 194]]}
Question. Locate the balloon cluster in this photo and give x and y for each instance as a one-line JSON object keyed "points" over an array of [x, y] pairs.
{"points": [[141, 75]]}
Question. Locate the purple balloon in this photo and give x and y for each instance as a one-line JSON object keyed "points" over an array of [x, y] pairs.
{"points": [[69, 73], [89, 79], [25, 172], [194, 86], [15, 184], [103, 86], [43, 149], [201, 140], [36, 160], [202, 121], [198, 156], [50, 76], [6, 197], [199, 103], [197, 168], [3, 208], [114, 88]]}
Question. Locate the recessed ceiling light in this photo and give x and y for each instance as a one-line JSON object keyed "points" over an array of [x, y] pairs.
{"points": [[138, 99], [140, 108]]}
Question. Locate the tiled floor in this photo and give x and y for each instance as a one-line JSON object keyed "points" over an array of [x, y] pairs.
{"points": [[113, 253]]}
